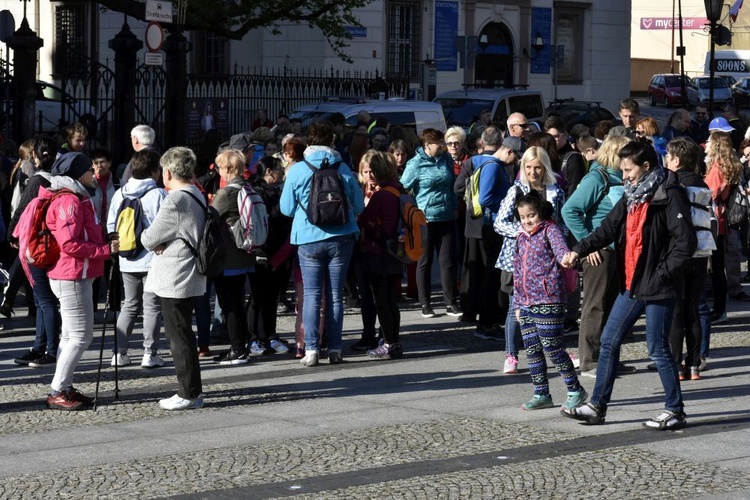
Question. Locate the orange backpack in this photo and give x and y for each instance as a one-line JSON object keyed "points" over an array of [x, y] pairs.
{"points": [[412, 229]]}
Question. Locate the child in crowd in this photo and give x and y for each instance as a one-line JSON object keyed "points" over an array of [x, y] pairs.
{"points": [[540, 298]]}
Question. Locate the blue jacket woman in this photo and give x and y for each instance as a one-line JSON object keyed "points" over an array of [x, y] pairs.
{"points": [[429, 176]]}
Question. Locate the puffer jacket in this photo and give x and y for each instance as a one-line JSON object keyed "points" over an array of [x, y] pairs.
{"points": [[72, 221], [100, 195], [669, 242], [151, 197], [431, 181], [537, 277]]}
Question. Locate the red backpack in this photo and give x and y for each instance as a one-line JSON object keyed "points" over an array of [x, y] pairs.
{"points": [[42, 249]]}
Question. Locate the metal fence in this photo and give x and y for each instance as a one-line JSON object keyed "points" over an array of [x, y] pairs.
{"points": [[234, 99], [227, 102]]}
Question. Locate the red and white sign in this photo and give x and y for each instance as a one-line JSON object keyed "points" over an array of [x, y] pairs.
{"points": [[154, 36], [667, 23]]}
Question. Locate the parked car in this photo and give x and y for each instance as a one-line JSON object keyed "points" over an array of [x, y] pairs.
{"points": [[463, 107], [55, 109], [722, 92], [588, 113], [417, 115], [666, 89], [729, 79], [741, 92]]}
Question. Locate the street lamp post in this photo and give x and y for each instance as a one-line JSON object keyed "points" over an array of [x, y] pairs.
{"points": [[713, 13]]}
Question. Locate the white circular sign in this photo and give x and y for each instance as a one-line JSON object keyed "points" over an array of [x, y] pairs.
{"points": [[154, 36]]}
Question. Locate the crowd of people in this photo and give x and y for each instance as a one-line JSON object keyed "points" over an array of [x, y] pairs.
{"points": [[538, 230]]}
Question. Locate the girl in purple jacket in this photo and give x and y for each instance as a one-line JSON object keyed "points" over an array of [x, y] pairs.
{"points": [[540, 298]]}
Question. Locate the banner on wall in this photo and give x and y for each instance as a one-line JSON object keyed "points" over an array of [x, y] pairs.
{"points": [[541, 22], [446, 30]]}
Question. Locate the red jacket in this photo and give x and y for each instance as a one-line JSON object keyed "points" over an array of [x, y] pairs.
{"points": [[83, 250]]}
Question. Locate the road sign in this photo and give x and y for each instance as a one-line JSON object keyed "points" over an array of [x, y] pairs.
{"points": [[158, 10], [154, 36], [154, 59], [7, 25]]}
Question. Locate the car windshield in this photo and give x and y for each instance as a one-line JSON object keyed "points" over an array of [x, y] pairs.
{"points": [[568, 111], [310, 117], [674, 81], [705, 83], [463, 111]]}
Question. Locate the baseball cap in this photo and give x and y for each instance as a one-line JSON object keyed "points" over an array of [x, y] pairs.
{"points": [[720, 124], [515, 144]]}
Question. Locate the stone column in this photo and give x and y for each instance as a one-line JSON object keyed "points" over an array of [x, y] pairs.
{"points": [[126, 46], [25, 45]]}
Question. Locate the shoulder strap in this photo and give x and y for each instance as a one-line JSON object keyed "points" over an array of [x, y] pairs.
{"points": [[203, 205], [392, 190]]}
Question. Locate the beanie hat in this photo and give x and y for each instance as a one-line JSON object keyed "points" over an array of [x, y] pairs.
{"points": [[73, 165]]}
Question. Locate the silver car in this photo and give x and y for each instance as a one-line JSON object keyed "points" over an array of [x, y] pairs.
{"points": [[701, 85]]}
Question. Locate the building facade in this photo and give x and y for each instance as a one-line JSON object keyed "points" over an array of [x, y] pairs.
{"points": [[440, 44]]}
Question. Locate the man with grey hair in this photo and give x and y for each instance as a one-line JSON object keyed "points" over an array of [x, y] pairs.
{"points": [[141, 137]]}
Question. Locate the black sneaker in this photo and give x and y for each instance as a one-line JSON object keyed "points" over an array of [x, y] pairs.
{"points": [[43, 360], [453, 310], [27, 358], [364, 345], [232, 357], [427, 312], [570, 326]]}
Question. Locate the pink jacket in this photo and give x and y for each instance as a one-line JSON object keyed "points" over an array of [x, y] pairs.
{"points": [[73, 223]]}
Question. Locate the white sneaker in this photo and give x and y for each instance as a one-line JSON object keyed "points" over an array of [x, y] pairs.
{"points": [[311, 358], [178, 403], [152, 360], [511, 364], [279, 346], [120, 360]]}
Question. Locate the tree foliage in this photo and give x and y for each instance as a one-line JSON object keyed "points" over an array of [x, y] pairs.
{"points": [[233, 19]]}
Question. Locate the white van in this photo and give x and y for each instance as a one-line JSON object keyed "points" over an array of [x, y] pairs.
{"points": [[417, 115], [729, 62], [463, 107]]}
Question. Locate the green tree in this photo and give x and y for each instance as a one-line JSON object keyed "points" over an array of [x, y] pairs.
{"points": [[234, 18]]}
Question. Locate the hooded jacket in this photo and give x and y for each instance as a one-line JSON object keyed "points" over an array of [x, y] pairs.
{"points": [[669, 242], [296, 194], [72, 221], [151, 197]]}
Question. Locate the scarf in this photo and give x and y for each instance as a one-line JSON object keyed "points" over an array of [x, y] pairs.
{"points": [[644, 189]]}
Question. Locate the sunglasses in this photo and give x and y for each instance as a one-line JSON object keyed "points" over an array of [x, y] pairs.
{"points": [[453, 144]]}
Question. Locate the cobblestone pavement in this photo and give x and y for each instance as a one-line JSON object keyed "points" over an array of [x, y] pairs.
{"points": [[441, 423]]}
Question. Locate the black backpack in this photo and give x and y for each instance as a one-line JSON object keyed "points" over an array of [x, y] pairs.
{"points": [[328, 205], [210, 251]]}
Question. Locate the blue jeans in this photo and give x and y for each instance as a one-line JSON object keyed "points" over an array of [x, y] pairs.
{"points": [[704, 313], [513, 339], [623, 316], [47, 313], [324, 261]]}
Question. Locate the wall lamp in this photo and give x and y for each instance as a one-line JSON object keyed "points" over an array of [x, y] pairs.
{"points": [[537, 44]]}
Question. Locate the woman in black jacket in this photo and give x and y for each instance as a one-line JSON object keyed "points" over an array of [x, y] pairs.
{"points": [[654, 239]]}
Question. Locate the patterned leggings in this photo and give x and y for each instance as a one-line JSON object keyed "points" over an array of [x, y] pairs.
{"points": [[542, 331]]}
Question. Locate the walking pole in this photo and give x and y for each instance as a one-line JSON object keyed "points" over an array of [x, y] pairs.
{"points": [[101, 347]]}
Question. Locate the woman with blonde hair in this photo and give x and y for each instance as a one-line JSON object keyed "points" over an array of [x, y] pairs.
{"points": [[583, 212], [724, 171], [230, 285], [536, 175]]}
